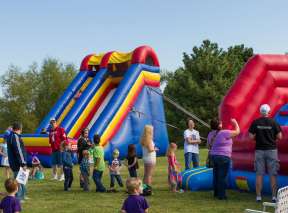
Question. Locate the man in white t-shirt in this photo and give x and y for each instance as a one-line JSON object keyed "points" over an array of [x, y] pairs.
{"points": [[191, 142]]}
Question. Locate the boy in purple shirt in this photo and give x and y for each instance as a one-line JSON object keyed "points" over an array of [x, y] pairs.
{"points": [[10, 204], [135, 203]]}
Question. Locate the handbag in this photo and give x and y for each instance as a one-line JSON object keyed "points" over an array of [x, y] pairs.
{"points": [[209, 161]]}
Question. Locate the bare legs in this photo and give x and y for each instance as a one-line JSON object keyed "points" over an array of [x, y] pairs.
{"points": [[55, 169], [7, 172], [148, 173], [259, 183]]}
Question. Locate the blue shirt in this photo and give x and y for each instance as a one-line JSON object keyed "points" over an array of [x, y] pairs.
{"points": [[16, 152], [67, 159]]}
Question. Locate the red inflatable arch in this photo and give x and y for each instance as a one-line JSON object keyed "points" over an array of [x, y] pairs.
{"points": [[264, 79]]}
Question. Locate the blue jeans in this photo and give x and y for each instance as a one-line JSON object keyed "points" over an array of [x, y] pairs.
{"points": [[132, 172], [220, 175], [191, 157], [118, 179], [85, 181], [97, 176], [68, 175], [21, 188]]}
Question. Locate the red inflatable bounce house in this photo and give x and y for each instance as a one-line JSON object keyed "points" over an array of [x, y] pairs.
{"points": [[263, 80]]}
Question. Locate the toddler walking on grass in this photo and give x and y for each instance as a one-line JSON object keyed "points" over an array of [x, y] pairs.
{"points": [[114, 168]]}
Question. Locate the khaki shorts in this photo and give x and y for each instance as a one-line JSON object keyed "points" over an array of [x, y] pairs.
{"points": [[266, 159]]}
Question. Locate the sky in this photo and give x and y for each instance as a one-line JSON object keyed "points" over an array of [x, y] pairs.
{"points": [[33, 30]]}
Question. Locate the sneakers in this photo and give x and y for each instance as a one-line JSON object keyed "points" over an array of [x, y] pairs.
{"points": [[258, 199], [54, 177], [61, 178], [274, 199], [26, 198]]}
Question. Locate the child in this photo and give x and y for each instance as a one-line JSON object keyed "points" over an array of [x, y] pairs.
{"points": [[174, 177], [4, 160], [10, 204], [114, 168], [85, 170], [132, 160], [67, 166], [37, 169], [91, 158], [135, 202], [99, 164]]}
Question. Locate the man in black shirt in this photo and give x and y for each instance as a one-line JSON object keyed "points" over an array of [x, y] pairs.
{"points": [[265, 131]]}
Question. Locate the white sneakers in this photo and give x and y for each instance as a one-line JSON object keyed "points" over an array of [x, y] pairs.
{"points": [[55, 177], [62, 178]]}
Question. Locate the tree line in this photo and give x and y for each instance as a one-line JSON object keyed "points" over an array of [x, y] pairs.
{"points": [[28, 95], [198, 85]]}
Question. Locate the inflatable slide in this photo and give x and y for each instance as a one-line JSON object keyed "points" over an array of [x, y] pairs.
{"points": [[263, 80], [114, 95]]}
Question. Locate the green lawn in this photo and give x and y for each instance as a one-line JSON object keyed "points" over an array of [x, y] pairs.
{"points": [[48, 196]]}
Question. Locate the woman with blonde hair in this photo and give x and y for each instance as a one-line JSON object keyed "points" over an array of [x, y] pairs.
{"points": [[149, 154]]}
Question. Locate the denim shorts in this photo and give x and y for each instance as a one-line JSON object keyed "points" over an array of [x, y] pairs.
{"points": [[57, 158], [266, 159]]}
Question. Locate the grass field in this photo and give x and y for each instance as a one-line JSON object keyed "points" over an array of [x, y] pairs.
{"points": [[47, 196]]}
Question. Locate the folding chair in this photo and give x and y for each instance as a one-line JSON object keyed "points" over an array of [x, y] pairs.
{"points": [[281, 206]]}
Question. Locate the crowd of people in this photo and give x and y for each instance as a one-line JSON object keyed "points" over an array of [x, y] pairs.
{"points": [[91, 160]]}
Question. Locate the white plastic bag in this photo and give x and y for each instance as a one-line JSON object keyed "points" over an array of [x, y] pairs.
{"points": [[22, 176]]}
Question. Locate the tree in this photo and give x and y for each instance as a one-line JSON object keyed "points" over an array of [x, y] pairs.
{"points": [[202, 82], [29, 95]]}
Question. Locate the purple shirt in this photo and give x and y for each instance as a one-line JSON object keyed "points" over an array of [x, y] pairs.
{"points": [[222, 143], [10, 204], [135, 204]]}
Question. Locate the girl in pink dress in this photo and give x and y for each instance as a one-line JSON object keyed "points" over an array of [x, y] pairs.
{"points": [[174, 175]]}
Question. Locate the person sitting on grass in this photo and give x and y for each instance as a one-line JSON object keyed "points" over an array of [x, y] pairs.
{"points": [[85, 170], [135, 202], [114, 169], [37, 168], [67, 166], [132, 161], [10, 204], [99, 164], [174, 176]]}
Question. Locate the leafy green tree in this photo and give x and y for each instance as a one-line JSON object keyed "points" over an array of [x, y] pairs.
{"points": [[202, 82], [54, 78], [29, 95]]}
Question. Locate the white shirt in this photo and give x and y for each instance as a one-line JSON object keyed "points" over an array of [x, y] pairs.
{"points": [[194, 134]]}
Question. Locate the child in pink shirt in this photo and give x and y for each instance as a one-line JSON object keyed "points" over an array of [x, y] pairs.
{"points": [[174, 176]]}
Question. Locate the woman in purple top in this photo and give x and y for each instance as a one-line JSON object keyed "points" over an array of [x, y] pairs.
{"points": [[220, 141]]}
